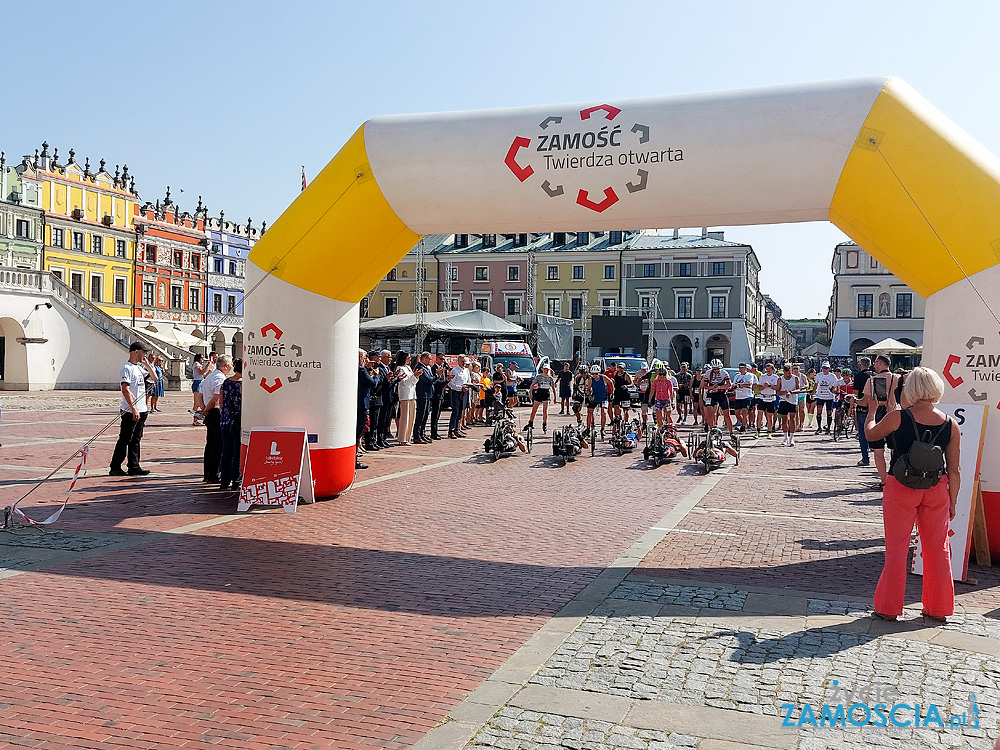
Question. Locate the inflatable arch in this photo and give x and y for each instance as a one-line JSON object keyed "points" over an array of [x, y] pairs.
{"points": [[869, 155]]}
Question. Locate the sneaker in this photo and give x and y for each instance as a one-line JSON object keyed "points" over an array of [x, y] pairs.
{"points": [[770, 436], [545, 426], [791, 440], [863, 463]]}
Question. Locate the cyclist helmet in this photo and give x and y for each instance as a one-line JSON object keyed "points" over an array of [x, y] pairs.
{"points": [[595, 369], [716, 364]]}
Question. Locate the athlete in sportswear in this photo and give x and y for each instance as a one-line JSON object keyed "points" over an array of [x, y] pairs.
{"points": [[826, 394], [743, 383], [623, 397], [715, 386], [788, 405], [684, 379], [599, 389], [767, 386], [661, 393]]}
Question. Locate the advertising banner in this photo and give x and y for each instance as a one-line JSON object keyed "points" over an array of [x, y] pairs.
{"points": [[278, 470]]}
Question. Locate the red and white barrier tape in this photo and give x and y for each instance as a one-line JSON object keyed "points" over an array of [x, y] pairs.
{"points": [[81, 468]]}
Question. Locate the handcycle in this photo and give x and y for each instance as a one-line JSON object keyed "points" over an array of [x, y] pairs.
{"points": [[568, 442], [662, 445], [711, 450], [505, 437], [844, 423], [625, 435]]}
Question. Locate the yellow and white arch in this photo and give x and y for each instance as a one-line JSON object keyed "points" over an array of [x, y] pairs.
{"points": [[870, 155]]}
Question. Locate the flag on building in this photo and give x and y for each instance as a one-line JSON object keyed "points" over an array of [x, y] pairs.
{"points": [[303, 178]]}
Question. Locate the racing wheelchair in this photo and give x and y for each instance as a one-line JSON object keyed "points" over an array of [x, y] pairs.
{"points": [[625, 436], [568, 442]]}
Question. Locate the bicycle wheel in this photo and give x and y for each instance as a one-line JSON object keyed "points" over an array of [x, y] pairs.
{"points": [[593, 445], [528, 438]]}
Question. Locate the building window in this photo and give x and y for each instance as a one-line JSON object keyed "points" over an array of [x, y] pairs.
{"points": [[718, 268], [95, 287], [685, 307], [422, 273], [583, 238], [683, 269], [513, 305], [391, 276], [57, 272], [364, 307], [217, 303], [148, 294], [217, 265], [558, 239], [422, 304], [196, 261], [609, 273], [866, 304], [232, 268], [22, 228], [119, 291], [216, 247], [178, 258], [552, 273], [718, 307], [489, 240], [461, 240], [872, 263], [391, 305], [615, 238], [648, 270], [76, 282], [576, 308], [904, 305], [552, 307], [58, 237], [97, 244], [176, 297], [231, 304], [512, 273], [120, 248], [608, 306], [577, 273], [78, 240], [454, 275], [520, 240], [194, 299], [453, 303], [645, 306], [482, 273], [483, 304], [151, 253]]}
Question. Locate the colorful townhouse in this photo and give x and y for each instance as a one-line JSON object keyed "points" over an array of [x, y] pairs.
{"points": [[22, 220], [170, 275], [89, 238], [229, 245]]}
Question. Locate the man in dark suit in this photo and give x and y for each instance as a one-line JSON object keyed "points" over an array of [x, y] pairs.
{"points": [[389, 398], [425, 392], [373, 436], [367, 383], [437, 400]]}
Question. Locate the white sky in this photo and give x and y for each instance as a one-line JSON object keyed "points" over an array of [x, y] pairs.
{"points": [[227, 99]]}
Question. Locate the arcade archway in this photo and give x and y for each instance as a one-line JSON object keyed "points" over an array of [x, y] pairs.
{"points": [[869, 155]]}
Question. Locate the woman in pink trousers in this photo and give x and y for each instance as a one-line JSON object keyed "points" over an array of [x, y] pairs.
{"points": [[931, 508]]}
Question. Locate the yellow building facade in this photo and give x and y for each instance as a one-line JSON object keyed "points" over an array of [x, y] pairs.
{"points": [[89, 229]]}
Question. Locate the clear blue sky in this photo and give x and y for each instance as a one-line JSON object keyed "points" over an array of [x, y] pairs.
{"points": [[227, 99]]}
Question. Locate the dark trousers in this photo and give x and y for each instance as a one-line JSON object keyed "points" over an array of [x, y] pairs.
{"points": [[374, 420], [861, 415], [437, 404], [457, 406], [128, 441], [213, 445], [423, 411], [229, 462], [385, 420]]}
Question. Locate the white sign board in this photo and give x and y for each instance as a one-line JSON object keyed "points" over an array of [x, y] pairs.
{"points": [[971, 420]]}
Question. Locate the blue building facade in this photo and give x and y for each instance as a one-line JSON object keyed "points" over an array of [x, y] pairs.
{"points": [[229, 244]]}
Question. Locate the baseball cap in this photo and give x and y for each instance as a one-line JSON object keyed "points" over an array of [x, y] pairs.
{"points": [[621, 365], [825, 364], [138, 346]]}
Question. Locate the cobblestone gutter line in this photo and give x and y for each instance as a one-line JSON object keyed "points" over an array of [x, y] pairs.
{"points": [[467, 719]]}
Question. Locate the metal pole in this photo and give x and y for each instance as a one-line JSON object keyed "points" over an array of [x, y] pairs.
{"points": [[418, 302]]}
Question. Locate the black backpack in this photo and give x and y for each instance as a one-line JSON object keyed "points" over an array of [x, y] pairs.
{"points": [[921, 467]]}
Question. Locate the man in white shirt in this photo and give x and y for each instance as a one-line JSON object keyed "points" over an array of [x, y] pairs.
{"points": [[767, 384], [211, 391], [458, 384], [134, 411], [827, 387]]}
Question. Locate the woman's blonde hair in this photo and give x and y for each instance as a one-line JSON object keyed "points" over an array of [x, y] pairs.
{"points": [[923, 384]]}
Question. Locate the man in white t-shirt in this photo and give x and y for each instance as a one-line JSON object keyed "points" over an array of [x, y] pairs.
{"points": [[767, 387], [743, 382], [827, 388], [134, 376]]}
